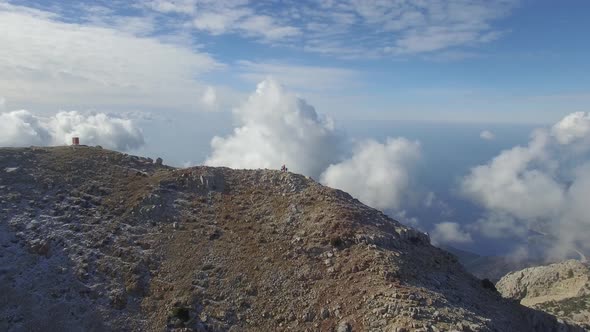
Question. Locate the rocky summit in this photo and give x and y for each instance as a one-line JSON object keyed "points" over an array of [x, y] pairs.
{"points": [[561, 289], [96, 240]]}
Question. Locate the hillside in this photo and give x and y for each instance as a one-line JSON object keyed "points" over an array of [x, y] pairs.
{"points": [[561, 289], [95, 240]]}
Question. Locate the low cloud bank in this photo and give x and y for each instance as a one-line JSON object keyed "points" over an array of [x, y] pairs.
{"points": [[276, 127], [541, 188], [378, 174], [449, 232], [23, 128]]}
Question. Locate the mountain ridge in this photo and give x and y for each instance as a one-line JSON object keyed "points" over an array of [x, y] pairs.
{"points": [[99, 240], [561, 289]]}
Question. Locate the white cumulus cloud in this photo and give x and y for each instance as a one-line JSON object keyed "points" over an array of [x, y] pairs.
{"points": [[449, 232], [378, 174], [573, 127], [22, 128], [509, 183], [538, 188], [209, 97], [276, 128]]}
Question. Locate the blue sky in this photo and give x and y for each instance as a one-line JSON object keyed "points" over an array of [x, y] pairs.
{"points": [[469, 61], [425, 109]]}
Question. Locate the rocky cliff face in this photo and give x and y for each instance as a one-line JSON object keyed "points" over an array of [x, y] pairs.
{"points": [[94, 240], [561, 289]]}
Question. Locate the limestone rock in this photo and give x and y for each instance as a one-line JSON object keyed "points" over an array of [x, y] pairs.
{"points": [[130, 245], [344, 327], [561, 289]]}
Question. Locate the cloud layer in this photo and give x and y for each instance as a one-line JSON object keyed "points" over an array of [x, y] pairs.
{"points": [[349, 28], [541, 187], [50, 62], [276, 127], [449, 232], [22, 128], [345, 28], [572, 128], [378, 174]]}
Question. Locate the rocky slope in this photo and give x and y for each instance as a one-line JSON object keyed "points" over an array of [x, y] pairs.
{"points": [[95, 240], [561, 289]]}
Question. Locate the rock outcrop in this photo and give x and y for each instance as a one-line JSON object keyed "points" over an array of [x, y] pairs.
{"points": [[561, 289], [94, 240]]}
